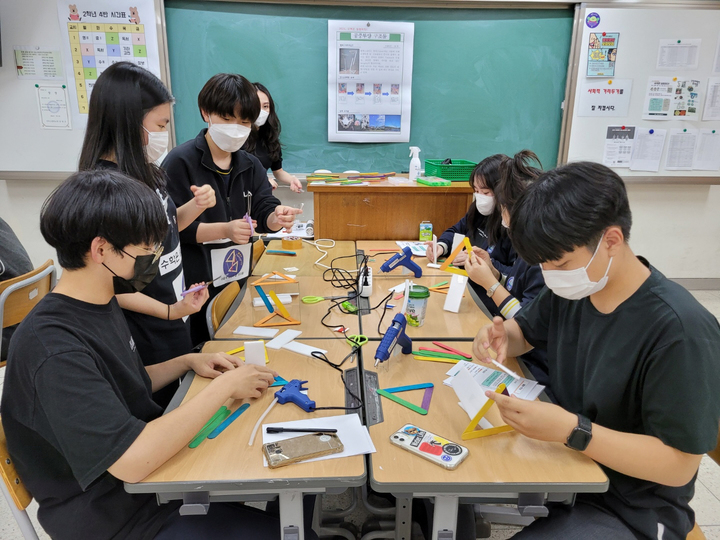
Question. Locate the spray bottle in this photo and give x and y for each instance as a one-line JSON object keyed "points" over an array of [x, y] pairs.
{"points": [[415, 166]]}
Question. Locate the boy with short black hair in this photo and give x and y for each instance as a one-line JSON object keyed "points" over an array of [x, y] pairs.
{"points": [[229, 104], [632, 359], [77, 407]]}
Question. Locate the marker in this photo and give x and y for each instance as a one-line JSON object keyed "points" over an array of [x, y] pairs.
{"points": [[200, 287], [506, 370], [271, 429]]}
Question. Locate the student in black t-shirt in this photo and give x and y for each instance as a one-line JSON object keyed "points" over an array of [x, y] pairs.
{"points": [[77, 408], [264, 141], [229, 104], [127, 131], [632, 360]]}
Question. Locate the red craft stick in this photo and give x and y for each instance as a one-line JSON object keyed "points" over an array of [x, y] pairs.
{"points": [[454, 351]]}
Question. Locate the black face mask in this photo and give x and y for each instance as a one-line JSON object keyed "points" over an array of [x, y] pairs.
{"points": [[146, 268]]}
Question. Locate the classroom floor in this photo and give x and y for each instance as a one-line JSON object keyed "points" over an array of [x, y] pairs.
{"points": [[706, 502]]}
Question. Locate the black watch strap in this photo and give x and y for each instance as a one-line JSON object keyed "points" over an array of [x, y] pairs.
{"points": [[580, 437]]}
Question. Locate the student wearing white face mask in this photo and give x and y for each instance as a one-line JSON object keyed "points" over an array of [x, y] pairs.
{"points": [[229, 104], [127, 131], [632, 360], [264, 141]]}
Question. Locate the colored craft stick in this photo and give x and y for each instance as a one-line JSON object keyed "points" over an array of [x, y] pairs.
{"points": [[265, 300], [279, 381], [427, 397], [402, 402], [425, 352], [235, 351], [408, 387], [448, 348], [219, 417], [281, 252], [440, 284], [280, 307], [437, 359], [229, 420]]}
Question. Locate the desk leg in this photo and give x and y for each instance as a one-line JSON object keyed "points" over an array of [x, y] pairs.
{"points": [[445, 517], [291, 515]]}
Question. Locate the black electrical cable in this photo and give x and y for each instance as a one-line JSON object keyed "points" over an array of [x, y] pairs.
{"points": [[321, 356]]}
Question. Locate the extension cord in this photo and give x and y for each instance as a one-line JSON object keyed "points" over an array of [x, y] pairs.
{"points": [[365, 290]]}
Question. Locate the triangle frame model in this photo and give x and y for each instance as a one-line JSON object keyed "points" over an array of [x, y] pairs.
{"points": [[445, 267], [471, 432], [271, 279], [280, 311], [389, 393]]}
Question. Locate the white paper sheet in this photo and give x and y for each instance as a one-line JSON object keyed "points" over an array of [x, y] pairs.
{"points": [[647, 149], [707, 153], [302, 348], [354, 436], [711, 111], [681, 149], [489, 379], [678, 54], [606, 97], [255, 332], [716, 64], [418, 248], [283, 339], [619, 142]]}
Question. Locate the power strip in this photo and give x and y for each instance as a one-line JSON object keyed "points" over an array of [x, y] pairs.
{"points": [[365, 282]]}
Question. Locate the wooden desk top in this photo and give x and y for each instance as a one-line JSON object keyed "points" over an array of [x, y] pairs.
{"points": [[228, 458], [392, 187], [505, 458], [370, 248], [310, 314], [438, 322], [305, 259]]}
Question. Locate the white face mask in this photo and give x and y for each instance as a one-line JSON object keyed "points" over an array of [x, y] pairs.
{"points": [[485, 204], [575, 284], [157, 144], [262, 118], [228, 137]]}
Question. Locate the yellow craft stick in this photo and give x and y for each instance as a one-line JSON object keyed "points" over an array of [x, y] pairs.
{"points": [[235, 351], [437, 359], [279, 305]]}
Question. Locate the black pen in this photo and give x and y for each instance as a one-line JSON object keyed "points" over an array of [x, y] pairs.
{"points": [[271, 429]]}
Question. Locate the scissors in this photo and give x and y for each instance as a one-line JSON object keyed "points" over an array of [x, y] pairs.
{"points": [[356, 341], [316, 299]]}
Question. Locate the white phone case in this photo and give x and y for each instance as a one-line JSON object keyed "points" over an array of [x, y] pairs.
{"points": [[427, 445]]}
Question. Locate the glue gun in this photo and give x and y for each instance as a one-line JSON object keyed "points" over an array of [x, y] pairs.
{"points": [[292, 392], [404, 259], [394, 335]]}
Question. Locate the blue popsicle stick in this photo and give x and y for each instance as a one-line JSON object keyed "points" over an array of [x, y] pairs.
{"points": [[229, 420], [409, 387], [265, 299]]}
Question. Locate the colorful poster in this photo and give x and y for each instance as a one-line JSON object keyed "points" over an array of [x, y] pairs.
{"points": [[605, 98], [602, 54], [369, 81], [99, 33], [671, 98]]}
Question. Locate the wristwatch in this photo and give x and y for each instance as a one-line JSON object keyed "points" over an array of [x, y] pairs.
{"points": [[492, 289], [581, 434]]}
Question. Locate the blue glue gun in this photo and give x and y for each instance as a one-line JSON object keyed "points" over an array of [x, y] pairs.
{"points": [[394, 335], [404, 259], [292, 392]]}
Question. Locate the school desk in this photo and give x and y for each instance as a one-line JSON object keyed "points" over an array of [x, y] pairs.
{"points": [[305, 259], [372, 248], [227, 469], [309, 314], [386, 210], [438, 322], [504, 468]]}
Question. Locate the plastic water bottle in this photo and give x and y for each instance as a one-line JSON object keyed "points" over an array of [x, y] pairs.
{"points": [[415, 166]]}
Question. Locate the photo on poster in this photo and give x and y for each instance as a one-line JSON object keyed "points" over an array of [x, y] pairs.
{"points": [[602, 54]]}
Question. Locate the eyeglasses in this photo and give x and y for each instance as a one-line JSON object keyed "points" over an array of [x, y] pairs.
{"points": [[156, 252]]}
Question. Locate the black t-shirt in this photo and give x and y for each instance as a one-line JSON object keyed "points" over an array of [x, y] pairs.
{"points": [[76, 397], [650, 367], [261, 152]]}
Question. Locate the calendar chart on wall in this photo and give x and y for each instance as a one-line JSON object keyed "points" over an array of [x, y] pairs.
{"points": [[98, 34]]}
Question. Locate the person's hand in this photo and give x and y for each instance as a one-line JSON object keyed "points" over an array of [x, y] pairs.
{"points": [[204, 196], [460, 259], [284, 216], [191, 303], [485, 256], [211, 365], [535, 419], [295, 184], [491, 336], [249, 380], [479, 271], [273, 183], [238, 230], [433, 256]]}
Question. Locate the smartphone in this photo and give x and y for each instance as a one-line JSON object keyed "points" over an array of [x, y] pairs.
{"points": [[282, 453], [432, 447]]}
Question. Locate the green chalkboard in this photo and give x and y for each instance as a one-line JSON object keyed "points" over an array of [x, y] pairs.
{"points": [[484, 81]]}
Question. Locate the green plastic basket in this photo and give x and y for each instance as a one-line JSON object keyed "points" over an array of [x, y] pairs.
{"points": [[458, 171]]}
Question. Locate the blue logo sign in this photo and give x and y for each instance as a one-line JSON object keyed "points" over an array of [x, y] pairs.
{"points": [[510, 282], [592, 20], [490, 249], [233, 263], [445, 457]]}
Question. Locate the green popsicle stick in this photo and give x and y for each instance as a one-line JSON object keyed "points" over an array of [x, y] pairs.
{"points": [[402, 402], [217, 419]]}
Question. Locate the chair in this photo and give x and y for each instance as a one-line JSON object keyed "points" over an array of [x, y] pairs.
{"points": [[257, 250], [16, 494], [219, 306], [696, 533], [19, 295]]}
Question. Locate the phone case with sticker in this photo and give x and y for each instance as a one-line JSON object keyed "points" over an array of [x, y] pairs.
{"points": [[432, 447], [282, 453]]}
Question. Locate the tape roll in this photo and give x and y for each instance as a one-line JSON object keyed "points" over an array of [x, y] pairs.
{"points": [[292, 243]]}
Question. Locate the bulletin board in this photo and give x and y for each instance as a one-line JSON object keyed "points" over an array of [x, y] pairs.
{"points": [[636, 69]]}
